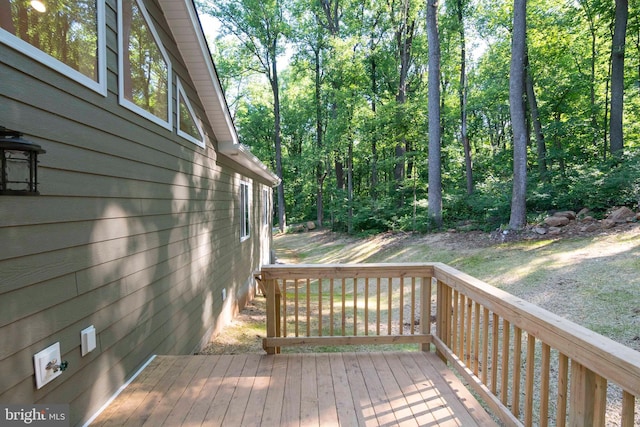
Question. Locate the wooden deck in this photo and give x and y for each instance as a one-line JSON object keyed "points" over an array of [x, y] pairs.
{"points": [[319, 389]]}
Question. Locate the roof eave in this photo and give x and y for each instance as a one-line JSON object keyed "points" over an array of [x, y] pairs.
{"points": [[242, 155]]}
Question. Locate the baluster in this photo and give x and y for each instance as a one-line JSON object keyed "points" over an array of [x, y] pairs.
{"points": [[309, 305], [517, 357], [319, 307], [485, 345], [355, 306], [296, 307], [454, 327], [284, 308], [530, 380], [443, 315], [378, 320], [366, 306], [476, 339], [628, 409], [463, 306], [495, 338], [504, 386], [563, 386], [468, 330], [544, 385], [401, 311], [389, 305], [413, 305], [332, 320], [344, 302]]}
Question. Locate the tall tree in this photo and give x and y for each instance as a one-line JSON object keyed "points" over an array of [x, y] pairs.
{"points": [[313, 40], [404, 32], [617, 76], [329, 17], [518, 217], [259, 25], [535, 118], [435, 165]]}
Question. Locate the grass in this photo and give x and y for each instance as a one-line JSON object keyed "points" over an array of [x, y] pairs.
{"points": [[591, 280]]}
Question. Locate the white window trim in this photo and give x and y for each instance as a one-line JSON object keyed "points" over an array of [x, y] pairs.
{"points": [[266, 208], [122, 99], [33, 52], [196, 119], [245, 210]]}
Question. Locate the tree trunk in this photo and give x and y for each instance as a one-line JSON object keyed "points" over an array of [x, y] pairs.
{"points": [[282, 220], [374, 137], [617, 76], [404, 40], [535, 118], [462, 94], [557, 145], [518, 217], [320, 173], [435, 176], [350, 186]]}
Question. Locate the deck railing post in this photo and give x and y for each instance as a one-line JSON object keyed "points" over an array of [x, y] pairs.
{"points": [[587, 397], [443, 316], [425, 310], [273, 314]]}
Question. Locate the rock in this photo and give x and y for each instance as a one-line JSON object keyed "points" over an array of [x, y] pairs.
{"points": [[589, 228], [583, 212], [556, 221], [567, 214], [638, 216], [608, 223], [554, 231], [540, 230], [588, 218], [296, 228], [623, 214], [311, 225]]}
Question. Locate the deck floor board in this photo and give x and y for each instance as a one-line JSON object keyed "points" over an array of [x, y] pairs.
{"points": [[345, 389]]}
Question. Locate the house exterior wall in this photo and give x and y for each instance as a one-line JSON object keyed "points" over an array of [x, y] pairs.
{"points": [[136, 231]]}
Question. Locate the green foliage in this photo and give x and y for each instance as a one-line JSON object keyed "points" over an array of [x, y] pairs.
{"points": [[603, 185], [344, 126]]}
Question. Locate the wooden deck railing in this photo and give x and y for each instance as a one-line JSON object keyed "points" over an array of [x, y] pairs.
{"points": [[531, 367]]}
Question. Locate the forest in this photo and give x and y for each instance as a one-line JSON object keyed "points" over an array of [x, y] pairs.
{"points": [[415, 115]]}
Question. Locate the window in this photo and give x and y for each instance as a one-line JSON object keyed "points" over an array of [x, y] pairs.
{"points": [[66, 35], [144, 66], [188, 123], [245, 217]]}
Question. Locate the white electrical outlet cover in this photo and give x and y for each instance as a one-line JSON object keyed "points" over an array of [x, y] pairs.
{"points": [[42, 359], [88, 339]]}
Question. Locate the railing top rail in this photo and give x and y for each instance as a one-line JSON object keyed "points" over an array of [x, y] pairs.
{"points": [[600, 354], [339, 271]]}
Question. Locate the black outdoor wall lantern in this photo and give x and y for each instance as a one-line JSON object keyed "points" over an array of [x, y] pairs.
{"points": [[18, 164]]}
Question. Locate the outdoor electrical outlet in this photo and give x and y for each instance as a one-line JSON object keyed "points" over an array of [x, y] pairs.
{"points": [[88, 340], [48, 365]]}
